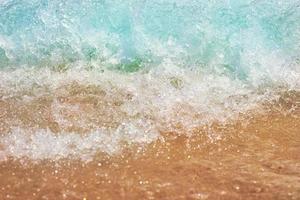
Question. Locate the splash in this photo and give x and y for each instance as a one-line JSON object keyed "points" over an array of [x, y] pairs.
{"points": [[88, 76], [230, 36]]}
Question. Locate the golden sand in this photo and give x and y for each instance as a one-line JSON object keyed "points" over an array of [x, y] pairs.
{"points": [[259, 159]]}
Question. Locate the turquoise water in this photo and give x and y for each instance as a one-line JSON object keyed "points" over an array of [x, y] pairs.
{"points": [[229, 35]]}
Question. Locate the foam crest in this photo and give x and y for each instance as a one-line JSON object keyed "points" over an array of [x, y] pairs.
{"points": [[79, 113], [233, 36]]}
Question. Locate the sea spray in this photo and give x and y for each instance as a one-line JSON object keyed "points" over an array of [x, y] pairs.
{"points": [[91, 76]]}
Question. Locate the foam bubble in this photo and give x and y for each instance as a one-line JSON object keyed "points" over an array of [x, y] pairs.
{"points": [[44, 144], [98, 111]]}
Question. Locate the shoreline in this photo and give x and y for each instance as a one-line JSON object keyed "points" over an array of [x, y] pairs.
{"points": [[257, 161]]}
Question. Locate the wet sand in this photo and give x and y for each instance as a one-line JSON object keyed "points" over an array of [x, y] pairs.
{"points": [[256, 157]]}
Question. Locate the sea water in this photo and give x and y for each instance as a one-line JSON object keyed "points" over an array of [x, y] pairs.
{"points": [[82, 77]]}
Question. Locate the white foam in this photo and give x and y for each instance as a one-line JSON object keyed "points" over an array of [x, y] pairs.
{"points": [[163, 99], [44, 144]]}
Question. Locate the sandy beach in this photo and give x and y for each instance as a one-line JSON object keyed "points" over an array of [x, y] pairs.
{"points": [[257, 159]]}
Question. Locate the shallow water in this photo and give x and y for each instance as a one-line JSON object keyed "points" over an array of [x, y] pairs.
{"points": [[259, 160], [254, 156]]}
